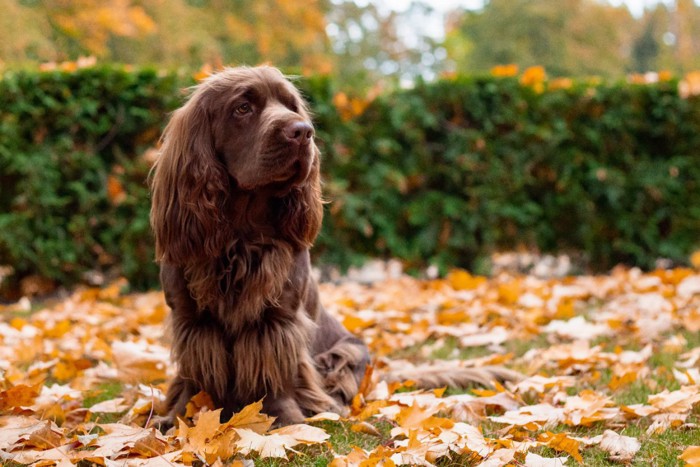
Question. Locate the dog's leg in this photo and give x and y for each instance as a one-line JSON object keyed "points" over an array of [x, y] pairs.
{"points": [[311, 393], [180, 392], [339, 357], [284, 408], [342, 368], [198, 347]]}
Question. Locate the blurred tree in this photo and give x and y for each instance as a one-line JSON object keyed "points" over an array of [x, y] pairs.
{"points": [[675, 28], [685, 25], [24, 35], [567, 37], [180, 32], [645, 51], [370, 45], [361, 43], [87, 26]]}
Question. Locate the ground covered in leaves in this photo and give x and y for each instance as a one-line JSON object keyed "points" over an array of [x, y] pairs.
{"points": [[611, 367]]}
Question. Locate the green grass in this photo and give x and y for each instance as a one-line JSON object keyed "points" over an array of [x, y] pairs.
{"points": [[104, 392]]}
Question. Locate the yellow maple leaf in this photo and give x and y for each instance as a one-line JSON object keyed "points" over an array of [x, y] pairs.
{"points": [[18, 323], [64, 371], [201, 439], [250, 418], [561, 442]]}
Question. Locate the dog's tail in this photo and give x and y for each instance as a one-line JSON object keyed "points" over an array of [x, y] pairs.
{"points": [[447, 373]]}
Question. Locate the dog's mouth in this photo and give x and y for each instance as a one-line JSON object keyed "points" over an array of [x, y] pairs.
{"points": [[278, 172], [292, 176], [297, 167]]}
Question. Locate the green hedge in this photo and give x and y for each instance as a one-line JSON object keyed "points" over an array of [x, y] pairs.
{"points": [[64, 137], [444, 173], [450, 171]]}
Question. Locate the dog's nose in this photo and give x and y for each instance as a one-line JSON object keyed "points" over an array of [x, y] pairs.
{"points": [[299, 132]]}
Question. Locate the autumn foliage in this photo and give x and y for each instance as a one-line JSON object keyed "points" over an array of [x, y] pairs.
{"points": [[610, 367]]}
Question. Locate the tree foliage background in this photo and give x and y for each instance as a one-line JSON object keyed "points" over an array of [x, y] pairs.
{"points": [[359, 42]]}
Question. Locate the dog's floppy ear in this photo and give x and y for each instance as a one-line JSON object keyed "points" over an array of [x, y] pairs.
{"points": [[301, 211], [189, 187]]}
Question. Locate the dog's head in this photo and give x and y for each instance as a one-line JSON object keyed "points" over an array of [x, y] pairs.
{"points": [[261, 130], [244, 132]]}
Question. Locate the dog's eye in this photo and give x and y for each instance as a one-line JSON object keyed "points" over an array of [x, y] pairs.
{"points": [[244, 109]]}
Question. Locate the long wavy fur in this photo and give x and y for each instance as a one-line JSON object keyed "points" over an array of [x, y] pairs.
{"points": [[236, 205]]}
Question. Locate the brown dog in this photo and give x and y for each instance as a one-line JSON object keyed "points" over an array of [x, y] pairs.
{"points": [[236, 207]]}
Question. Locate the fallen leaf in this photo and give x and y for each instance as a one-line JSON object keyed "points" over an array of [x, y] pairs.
{"points": [[621, 448], [534, 460], [366, 428], [274, 445], [691, 456]]}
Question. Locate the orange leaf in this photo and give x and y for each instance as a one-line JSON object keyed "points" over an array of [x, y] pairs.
{"points": [[369, 409], [354, 324], [115, 190], [250, 418], [510, 292], [562, 443], [19, 396], [618, 381], [366, 382], [691, 456], [197, 403], [504, 70], [462, 280], [366, 428]]}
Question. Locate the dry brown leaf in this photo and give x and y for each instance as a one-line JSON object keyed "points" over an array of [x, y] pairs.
{"points": [[534, 460], [140, 361], [621, 448], [25, 432], [330, 416], [499, 458], [110, 406], [73, 340], [680, 401], [123, 440], [366, 428], [304, 434], [18, 396], [274, 445], [199, 438], [541, 415]]}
